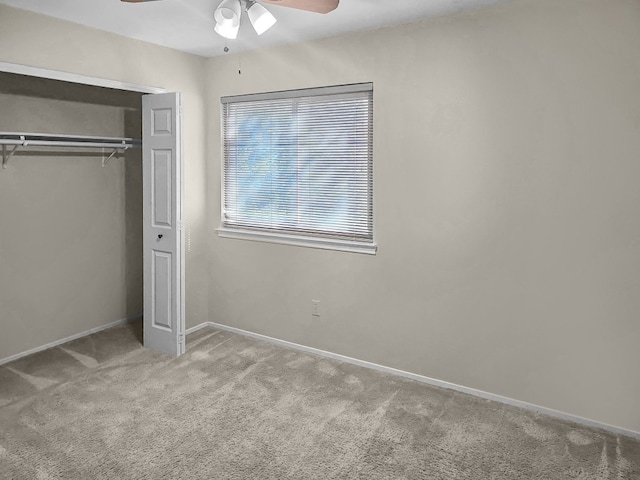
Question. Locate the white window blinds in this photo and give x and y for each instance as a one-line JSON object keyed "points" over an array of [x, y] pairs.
{"points": [[300, 163]]}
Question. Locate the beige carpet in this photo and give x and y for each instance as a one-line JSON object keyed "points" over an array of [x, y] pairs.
{"points": [[102, 407]]}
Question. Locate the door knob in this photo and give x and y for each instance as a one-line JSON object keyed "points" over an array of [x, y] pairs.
{"points": [[159, 236]]}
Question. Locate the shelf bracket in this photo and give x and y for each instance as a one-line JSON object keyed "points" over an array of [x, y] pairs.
{"points": [[6, 156], [115, 150]]}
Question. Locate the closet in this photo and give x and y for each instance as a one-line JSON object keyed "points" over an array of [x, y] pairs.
{"points": [[70, 214]]}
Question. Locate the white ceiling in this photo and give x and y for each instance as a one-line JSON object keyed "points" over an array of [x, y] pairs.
{"points": [[187, 25]]}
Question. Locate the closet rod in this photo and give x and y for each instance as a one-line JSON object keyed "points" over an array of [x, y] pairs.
{"points": [[45, 143], [20, 139], [45, 139]]}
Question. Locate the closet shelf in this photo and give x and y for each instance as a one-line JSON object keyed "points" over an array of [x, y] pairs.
{"points": [[19, 139]]}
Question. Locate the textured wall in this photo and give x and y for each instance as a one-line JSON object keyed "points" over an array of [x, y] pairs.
{"points": [[506, 157], [35, 40]]}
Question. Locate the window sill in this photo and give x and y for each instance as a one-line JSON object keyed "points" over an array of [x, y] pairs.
{"points": [[311, 242]]}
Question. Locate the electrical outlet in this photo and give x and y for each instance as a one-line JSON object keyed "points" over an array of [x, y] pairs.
{"points": [[315, 308]]}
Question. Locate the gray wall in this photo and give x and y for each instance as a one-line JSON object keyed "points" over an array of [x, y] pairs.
{"points": [[506, 167], [71, 243]]}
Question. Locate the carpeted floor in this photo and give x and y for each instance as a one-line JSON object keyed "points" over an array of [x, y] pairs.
{"points": [[103, 407]]}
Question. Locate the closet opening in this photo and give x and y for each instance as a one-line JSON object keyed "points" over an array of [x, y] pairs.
{"points": [[71, 230]]}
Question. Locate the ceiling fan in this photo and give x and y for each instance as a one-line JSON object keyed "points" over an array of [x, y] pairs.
{"points": [[228, 13]]}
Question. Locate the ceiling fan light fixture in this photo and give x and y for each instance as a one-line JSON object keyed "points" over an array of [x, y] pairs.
{"points": [[261, 18], [227, 17], [227, 31]]}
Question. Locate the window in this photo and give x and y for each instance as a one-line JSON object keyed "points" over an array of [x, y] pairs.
{"points": [[298, 167]]}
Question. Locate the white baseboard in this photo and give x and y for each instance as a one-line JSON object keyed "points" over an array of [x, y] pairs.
{"points": [[72, 337], [430, 381], [197, 328]]}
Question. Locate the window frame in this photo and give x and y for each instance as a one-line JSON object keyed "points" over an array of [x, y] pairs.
{"points": [[355, 246]]}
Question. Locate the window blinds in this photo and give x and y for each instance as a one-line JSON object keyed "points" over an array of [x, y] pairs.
{"points": [[300, 162]]}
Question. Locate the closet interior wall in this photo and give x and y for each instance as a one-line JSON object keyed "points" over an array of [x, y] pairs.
{"points": [[70, 230]]}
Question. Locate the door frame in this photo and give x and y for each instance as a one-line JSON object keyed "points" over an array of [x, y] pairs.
{"points": [[31, 71]]}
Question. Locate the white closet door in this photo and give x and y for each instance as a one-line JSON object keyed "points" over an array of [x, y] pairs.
{"points": [[163, 233]]}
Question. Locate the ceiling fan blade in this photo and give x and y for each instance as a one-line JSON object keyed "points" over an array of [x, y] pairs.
{"points": [[317, 6]]}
